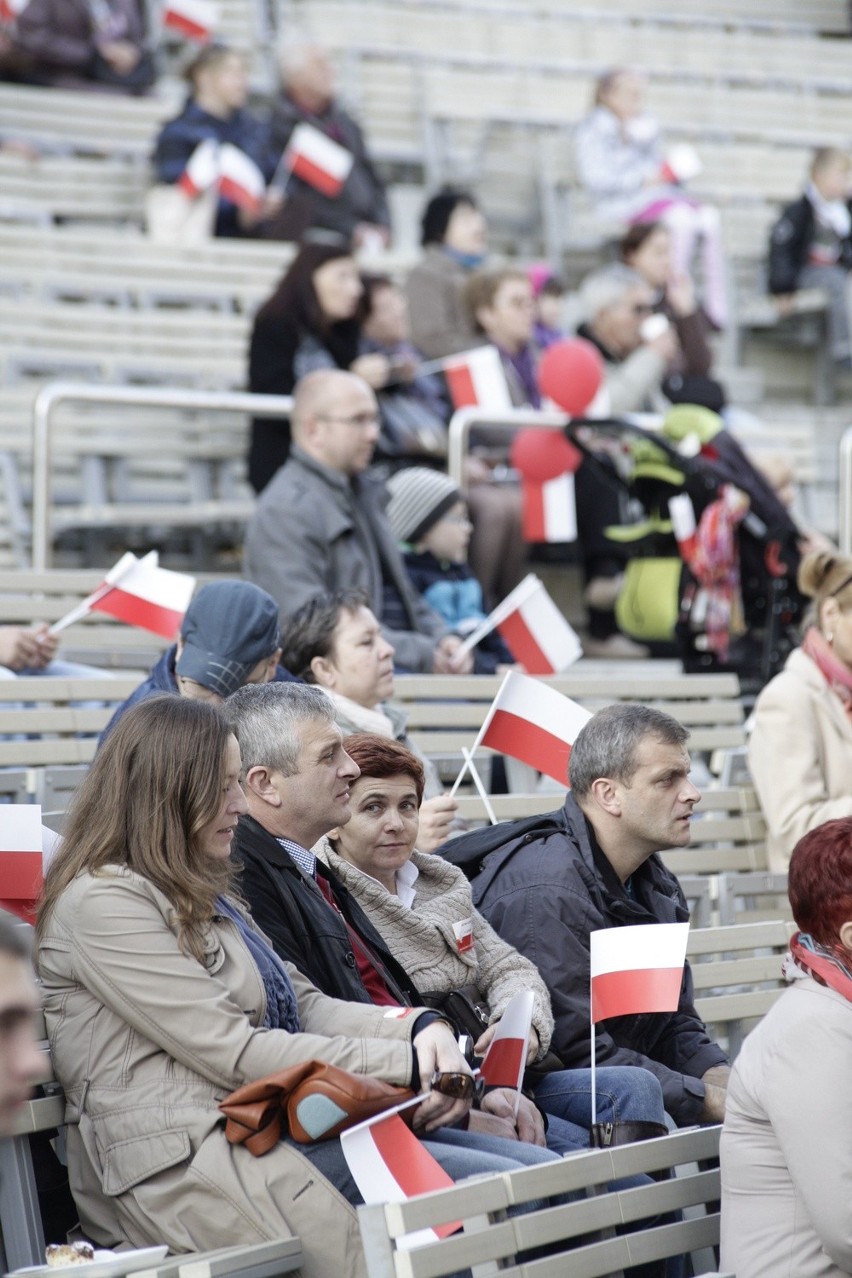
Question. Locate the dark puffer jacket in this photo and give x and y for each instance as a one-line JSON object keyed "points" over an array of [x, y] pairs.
{"points": [[544, 886]]}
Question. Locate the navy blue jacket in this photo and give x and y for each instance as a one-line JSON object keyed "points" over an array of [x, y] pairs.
{"points": [[454, 592], [179, 137], [544, 886]]}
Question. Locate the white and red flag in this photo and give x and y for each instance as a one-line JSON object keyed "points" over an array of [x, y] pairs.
{"points": [[550, 509], [193, 19], [684, 527], [504, 1063], [534, 723], [475, 379], [141, 593], [636, 969], [21, 858], [240, 180], [540, 638], [318, 160], [389, 1164], [682, 163], [202, 169], [12, 9]]}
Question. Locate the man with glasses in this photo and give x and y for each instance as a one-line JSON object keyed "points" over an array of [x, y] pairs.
{"points": [[320, 525]]}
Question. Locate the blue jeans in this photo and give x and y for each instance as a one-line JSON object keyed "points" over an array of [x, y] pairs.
{"points": [[624, 1093]]}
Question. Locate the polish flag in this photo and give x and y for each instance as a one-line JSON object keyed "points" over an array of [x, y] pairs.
{"points": [[550, 509], [504, 1063], [539, 636], [637, 969], [141, 593], [21, 858], [534, 723], [684, 527], [681, 164], [240, 180], [389, 1165], [318, 160], [476, 379], [202, 170], [193, 19], [12, 9]]}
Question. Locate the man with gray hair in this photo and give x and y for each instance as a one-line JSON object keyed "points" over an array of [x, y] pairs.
{"points": [[320, 525], [20, 1060], [546, 883], [359, 211], [616, 304]]}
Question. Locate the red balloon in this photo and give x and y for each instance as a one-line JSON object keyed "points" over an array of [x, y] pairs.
{"points": [[571, 373], [541, 454]]}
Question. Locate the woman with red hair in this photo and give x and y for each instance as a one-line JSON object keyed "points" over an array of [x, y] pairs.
{"points": [[787, 1139]]}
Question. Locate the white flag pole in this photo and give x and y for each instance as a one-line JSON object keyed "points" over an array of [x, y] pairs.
{"points": [[477, 781], [591, 1018], [480, 734]]}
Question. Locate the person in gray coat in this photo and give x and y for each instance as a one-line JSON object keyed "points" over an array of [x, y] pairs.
{"points": [[320, 525]]}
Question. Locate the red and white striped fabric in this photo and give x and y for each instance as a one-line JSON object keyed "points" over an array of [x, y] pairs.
{"points": [[534, 723], [202, 169], [550, 509], [684, 527], [12, 9], [142, 593], [21, 861], [389, 1164], [240, 180], [193, 19], [636, 969], [540, 638], [476, 379], [505, 1060], [318, 160]]}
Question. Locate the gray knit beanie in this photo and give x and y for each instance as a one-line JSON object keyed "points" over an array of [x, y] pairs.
{"points": [[419, 497]]}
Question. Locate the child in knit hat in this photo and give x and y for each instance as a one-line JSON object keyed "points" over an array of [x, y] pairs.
{"points": [[429, 518]]}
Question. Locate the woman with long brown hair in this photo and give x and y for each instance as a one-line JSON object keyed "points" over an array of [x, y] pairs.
{"points": [[161, 997]]}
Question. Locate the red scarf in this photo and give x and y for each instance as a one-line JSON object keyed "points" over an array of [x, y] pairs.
{"points": [[836, 673], [823, 965]]}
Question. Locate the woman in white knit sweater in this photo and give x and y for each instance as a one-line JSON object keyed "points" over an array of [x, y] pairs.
{"points": [[422, 907]]}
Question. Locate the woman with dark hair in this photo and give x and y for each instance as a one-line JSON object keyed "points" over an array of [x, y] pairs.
{"points": [[786, 1148], [216, 110], [311, 321], [454, 239], [647, 249], [161, 997], [800, 748], [422, 907]]}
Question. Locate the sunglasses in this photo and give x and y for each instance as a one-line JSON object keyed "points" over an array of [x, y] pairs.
{"points": [[459, 1086]]}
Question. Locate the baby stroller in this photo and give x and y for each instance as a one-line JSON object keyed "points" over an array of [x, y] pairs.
{"points": [[725, 598]]}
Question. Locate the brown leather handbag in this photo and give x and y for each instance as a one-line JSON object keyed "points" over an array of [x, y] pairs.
{"points": [[313, 1101]]}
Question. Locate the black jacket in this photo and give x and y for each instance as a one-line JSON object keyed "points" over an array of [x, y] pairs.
{"points": [[789, 241], [303, 927], [544, 887]]}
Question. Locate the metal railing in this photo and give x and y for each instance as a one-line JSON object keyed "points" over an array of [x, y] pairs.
{"points": [[58, 393], [844, 497], [465, 419]]}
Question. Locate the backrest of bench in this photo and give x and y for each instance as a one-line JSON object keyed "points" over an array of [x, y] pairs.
{"points": [[481, 1204]]}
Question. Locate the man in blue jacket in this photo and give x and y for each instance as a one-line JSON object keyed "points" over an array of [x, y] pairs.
{"points": [[546, 883], [230, 636]]}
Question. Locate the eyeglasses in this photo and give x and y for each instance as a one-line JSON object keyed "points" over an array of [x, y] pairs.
{"points": [[459, 1086], [362, 420], [840, 588]]}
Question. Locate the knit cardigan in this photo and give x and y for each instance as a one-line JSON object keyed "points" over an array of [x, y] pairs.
{"points": [[423, 942]]}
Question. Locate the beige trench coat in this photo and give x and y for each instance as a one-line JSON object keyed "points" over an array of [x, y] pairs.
{"points": [[146, 1041], [800, 756]]}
